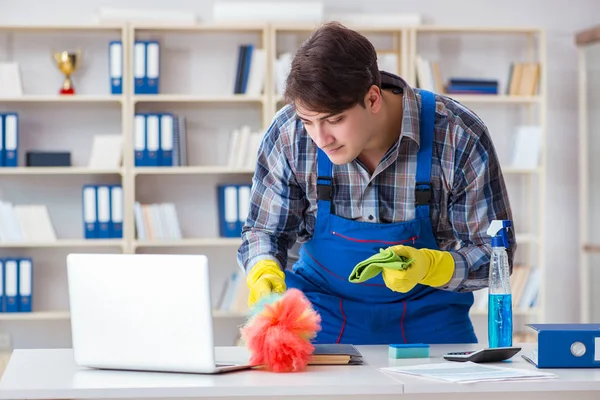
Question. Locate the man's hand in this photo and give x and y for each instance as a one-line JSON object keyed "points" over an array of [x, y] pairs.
{"points": [[264, 278], [429, 267]]}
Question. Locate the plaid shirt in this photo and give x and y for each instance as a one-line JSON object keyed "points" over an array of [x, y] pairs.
{"points": [[468, 188]]}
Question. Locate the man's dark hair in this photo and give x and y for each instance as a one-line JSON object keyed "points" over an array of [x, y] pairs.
{"points": [[332, 70]]}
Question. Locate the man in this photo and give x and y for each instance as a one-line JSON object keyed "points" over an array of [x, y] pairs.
{"points": [[359, 167]]}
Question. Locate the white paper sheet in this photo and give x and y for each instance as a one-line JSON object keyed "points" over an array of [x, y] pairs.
{"points": [[468, 372]]}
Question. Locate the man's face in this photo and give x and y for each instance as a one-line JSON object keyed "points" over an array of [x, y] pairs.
{"points": [[341, 136]]}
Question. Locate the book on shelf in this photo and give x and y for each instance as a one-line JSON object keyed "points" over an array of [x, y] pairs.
{"points": [[251, 70], [234, 293], [523, 80], [107, 152], [17, 284], [243, 148], [25, 223], [156, 221]]}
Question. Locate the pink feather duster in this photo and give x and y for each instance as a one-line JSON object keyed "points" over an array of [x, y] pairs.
{"points": [[280, 331]]}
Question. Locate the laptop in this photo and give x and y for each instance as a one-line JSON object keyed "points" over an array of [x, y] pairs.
{"points": [[144, 312]]}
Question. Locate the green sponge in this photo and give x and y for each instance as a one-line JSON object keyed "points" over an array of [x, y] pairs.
{"points": [[371, 267], [418, 350]]}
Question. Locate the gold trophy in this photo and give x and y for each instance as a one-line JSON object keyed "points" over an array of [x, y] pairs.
{"points": [[67, 63]]}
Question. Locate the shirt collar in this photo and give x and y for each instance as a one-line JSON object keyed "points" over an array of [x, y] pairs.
{"points": [[411, 105]]}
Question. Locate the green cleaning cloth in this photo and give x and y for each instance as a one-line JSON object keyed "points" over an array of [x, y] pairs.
{"points": [[372, 266]]}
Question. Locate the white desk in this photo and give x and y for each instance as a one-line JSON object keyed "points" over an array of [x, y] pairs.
{"points": [[52, 374]]}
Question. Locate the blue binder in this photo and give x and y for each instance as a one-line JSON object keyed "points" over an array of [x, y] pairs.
{"points": [[2, 140], [116, 211], [228, 211], [25, 284], [139, 67], [11, 139], [89, 201], [103, 208], [152, 82], [152, 150], [167, 139], [566, 346], [140, 148], [11, 284], [2, 287], [115, 66]]}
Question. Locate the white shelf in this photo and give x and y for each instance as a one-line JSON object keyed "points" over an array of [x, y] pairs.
{"points": [[198, 242], [521, 171], [58, 171], [65, 243], [35, 316], [494, 99], [207, 27], [476, 29], [57, 28], [77, 98], [198, 170], [66, 315], [183, 98]]}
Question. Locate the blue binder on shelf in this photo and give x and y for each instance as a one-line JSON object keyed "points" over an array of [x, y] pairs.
{"points": [[151, 152], [139, 140], [167, 138], [2, 140], [103, 214], [146, 67], [139, 67], [11, 284], [115, 66], [229, 225], [243, 205], [89, 200], [25, 294], [2, 287], [116, 212], [152, 67], [565, 346], [10, 130]]}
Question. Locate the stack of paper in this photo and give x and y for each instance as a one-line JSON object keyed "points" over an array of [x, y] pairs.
{"points": [[469, 372]]}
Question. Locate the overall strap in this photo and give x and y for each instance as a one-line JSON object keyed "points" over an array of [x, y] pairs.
{"points": [[324, 182], [423, 193]]}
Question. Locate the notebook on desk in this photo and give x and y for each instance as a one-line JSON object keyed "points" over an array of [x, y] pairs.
{"points": [[335, 354]]}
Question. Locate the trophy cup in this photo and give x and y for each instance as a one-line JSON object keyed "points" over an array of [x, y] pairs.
{"points": [[67, 63]]}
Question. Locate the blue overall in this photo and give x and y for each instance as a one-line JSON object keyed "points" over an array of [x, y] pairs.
{"points": [[369, 312]]}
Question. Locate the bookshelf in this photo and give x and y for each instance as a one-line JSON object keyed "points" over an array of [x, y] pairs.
{"points": [[588, 47], [197, 73]]}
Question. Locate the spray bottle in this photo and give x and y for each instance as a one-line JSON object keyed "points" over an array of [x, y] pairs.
{"points": [[500, 316]]}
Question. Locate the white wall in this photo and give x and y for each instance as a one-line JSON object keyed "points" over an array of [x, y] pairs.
{"points": [[560, 18]]}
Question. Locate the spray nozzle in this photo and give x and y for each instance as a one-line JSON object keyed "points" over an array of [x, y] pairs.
{"points": [[498, 230]]}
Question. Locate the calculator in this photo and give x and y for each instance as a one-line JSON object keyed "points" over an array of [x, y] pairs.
{"points": [[495, 354]]}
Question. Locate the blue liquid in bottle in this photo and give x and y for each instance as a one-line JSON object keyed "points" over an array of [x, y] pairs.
{"points": [[500, 321]]}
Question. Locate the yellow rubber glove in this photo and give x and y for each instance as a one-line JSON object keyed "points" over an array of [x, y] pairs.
{"points": [[264, 278], [429, 267]]}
